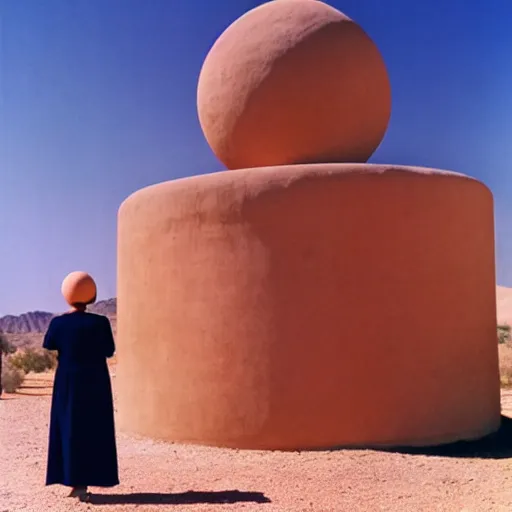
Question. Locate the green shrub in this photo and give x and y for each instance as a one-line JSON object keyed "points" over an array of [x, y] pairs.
{"points": [[504, 334], [12, 378], [33, 360]]}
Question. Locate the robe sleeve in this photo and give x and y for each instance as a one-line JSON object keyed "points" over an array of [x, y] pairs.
{"points": [[50, 339], [109, 346]]}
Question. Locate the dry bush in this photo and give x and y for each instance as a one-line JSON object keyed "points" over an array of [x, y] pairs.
{"points": [[33, 360], [505, 354], [505, 351], [12, 378], [6, 346], [504, 334]]}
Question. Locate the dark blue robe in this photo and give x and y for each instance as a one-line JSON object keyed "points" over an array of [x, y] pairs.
{"points": [[82, 445]]}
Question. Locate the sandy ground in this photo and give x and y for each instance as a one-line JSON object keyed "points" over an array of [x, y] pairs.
{"points": [[159, 477]]}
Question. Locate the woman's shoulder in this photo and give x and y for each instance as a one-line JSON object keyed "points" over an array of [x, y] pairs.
{"points": [[60, 318], [96, 316], [73, 316], [54, 320]]}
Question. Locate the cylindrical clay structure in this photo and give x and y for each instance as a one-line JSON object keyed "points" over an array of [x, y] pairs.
{"points": [[309, 306]]}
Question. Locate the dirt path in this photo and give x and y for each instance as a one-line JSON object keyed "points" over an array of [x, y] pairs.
{"points": [[160, 477]]}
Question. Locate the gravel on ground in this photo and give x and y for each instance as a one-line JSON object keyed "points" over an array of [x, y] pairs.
{"points": [[163, 476]]}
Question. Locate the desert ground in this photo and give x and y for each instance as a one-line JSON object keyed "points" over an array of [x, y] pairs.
{"points": [[158, 476]]}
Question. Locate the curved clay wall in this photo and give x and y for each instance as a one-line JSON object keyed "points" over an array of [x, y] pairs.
{"points": [[308, 306]]}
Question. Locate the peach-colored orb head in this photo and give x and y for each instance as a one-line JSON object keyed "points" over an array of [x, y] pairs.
{"points": [[293, 81], [79, 288]]}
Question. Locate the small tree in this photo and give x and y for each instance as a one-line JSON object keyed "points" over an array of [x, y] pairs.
{"points": [[12, 378], [504, 334], [5, 348]]}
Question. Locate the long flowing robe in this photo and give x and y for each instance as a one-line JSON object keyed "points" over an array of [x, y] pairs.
{"points": [[82, 445]]}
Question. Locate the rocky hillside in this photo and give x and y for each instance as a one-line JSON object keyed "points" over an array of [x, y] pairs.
{"points": [[37, 321]]}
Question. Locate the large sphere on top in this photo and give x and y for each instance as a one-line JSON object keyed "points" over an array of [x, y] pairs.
{"points": [[293, 81], [79, 288]]}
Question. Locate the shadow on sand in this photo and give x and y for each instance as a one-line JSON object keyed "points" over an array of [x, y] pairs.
{"points": [[493, 446], [185, 498]]}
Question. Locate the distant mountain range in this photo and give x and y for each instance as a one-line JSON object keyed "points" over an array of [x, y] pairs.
{"points": [[38, 321]]}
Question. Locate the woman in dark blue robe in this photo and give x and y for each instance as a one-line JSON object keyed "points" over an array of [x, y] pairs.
{"points": [[82, 446]]}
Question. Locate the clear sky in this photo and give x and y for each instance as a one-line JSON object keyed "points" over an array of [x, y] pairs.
{"points": [[98, 99]]}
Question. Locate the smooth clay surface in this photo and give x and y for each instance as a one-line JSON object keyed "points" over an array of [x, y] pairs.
{"points": [[293, 81], [308, 306]]}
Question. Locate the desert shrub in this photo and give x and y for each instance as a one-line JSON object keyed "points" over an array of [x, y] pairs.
{"points": [[5, 346], [504, 334], [12, 378], [33, 360], [51, 359], [505, 353]]}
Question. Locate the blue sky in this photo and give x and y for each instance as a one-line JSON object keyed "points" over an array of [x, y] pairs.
{"points": [[98, 99]]}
